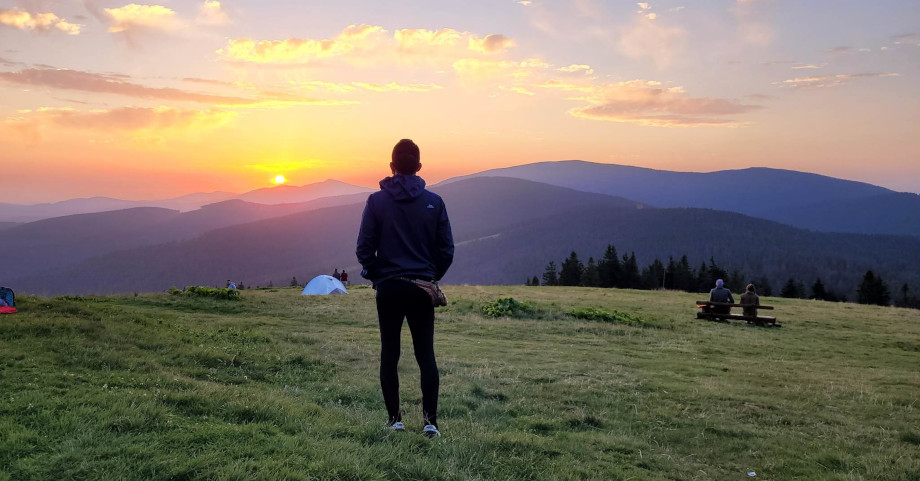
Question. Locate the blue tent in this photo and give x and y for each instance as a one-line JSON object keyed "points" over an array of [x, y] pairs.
{"points": [[323, 285]]}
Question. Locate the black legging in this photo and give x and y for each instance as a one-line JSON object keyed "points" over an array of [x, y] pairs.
{"points": [[397, 299]]}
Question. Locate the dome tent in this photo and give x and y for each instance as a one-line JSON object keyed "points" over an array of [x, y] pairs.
{"points": [[323, 285]]}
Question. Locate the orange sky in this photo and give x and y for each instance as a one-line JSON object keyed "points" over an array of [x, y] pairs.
{"points": [[158, 100]]}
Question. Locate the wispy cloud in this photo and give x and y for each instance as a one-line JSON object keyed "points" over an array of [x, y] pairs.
{"points": [[109, 84], [652, 103], [120, 85], [141, 17], [490, 43], [754, 26], [395, 87], [355, 38], [577, 68], [366, 43], [807, 66], [829, 80], [839, 49], [156, 121], [646, 38], [37, 22], [212, 13], [482, 69]]}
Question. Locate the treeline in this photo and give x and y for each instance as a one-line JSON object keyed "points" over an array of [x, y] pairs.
{"points": [[612, 270]]}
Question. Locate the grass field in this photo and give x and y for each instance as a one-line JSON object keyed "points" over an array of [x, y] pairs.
{"points": [[280, 386]]}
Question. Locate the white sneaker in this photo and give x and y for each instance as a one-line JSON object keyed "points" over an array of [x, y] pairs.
{"points": [[431, 431], [398, 426]]}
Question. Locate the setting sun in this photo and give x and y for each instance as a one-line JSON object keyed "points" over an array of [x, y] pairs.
{"points": [[279, 179]]}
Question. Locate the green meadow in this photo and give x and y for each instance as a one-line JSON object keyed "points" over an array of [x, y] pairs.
{"points": [[279, 386]]}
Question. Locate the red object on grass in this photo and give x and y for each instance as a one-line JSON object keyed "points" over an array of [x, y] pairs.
{"points": [[8, 310]]}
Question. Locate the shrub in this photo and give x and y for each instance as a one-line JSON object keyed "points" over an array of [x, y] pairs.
{"points": [[616, 317], [507, 306], [174, 291], [212, 292]]}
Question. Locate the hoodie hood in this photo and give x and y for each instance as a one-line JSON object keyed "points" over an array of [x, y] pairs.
{"points": [[403, 187]]}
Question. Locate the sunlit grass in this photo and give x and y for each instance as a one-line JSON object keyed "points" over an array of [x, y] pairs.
{"points": [[280, 386]]}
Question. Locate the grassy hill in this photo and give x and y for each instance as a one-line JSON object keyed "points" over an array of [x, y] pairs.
{"points": [[280, 386]]}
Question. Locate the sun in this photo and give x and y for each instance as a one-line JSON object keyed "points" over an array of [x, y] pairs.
{"points": [[279, 179]]}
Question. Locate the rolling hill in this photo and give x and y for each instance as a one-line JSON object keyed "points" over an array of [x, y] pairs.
{"points": [[62, 241], [800, 199], [282, 194], [506, 230]]}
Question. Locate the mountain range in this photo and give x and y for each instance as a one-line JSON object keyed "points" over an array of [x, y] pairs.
{"points": [[282, 194], [800, 199], [506, 230]]}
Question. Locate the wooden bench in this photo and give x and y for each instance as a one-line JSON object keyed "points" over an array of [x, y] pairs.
{"points": [[706, 312]]}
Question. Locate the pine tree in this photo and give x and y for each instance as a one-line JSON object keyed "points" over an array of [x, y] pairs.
{"points": [[704, 281], [791, 289], [683, 275], [653, 276], [572, 270], [592, 276], [609, 268], [631, 278], [763, 287], [670, 272], [527, 281], [716, 272], [294, 281], [550, 277], [817, 291], [873, 290], [535, 281]]}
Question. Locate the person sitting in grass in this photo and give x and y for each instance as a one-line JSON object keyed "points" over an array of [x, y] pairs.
{"points": [[405, 234], [721, 294], [750, 300]]}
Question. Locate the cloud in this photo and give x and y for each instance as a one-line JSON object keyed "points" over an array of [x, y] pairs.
{"points": [[367, 43], [395, 87], [353, 39], [577, 68], [482, 69], [118, 85], [807, 66], [830, 80], [753, 26], [490, 43], [156, 120], [518, 90], [141, 17], [109, 84], [644, 5], [651, 103], [525, 3], [837, 49], [38, 22], [211, 13], [648, 39]]}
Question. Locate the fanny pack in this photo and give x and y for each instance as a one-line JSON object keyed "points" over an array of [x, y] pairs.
{"points": [[433, 290]]}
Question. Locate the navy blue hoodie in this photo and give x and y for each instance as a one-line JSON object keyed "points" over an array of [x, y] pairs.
{"points": [[404, 232]]}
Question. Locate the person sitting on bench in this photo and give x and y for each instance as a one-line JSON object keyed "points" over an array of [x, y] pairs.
{"points": [[721, 294], [750, 300]]}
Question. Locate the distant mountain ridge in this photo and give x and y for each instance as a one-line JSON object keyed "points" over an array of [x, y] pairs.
{"points": [[800, 199], [281, 194], [506, 230]]}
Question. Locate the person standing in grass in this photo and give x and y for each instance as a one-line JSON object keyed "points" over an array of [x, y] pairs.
{"points": [[405, 234]]}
